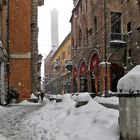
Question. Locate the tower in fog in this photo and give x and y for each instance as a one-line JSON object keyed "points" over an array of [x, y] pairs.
{"points": [[54, 30]]}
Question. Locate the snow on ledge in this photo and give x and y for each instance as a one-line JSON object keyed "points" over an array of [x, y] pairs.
{"points": [[103, 63], [130, 82], [118, 41]]}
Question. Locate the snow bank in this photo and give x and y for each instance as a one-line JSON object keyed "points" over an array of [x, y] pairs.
{"points": [[131, 81], [83, 97], [2, 137], [108, 100], [25, 102], [33, 96], [62, 121]]}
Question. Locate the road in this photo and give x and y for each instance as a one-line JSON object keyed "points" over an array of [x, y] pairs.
{"points": [[12, 121]]}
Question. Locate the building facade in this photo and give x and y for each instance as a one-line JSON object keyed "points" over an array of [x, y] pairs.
{"points": [[23, 46], [105, 39], [3, 50], [47, 71], [59, 80]]}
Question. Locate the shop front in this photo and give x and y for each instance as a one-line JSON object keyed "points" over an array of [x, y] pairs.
{"points": [[117, 72], [94, 73]]}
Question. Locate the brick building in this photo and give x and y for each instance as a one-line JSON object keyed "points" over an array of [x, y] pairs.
{"points": [[47, 70], [105, 43], [23, 46]]}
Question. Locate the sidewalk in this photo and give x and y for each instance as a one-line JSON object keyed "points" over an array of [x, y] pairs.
{"points": [[109, 102]]}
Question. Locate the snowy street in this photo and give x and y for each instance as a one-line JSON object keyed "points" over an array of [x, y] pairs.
{"points": [[12, 119], [58, 121]]}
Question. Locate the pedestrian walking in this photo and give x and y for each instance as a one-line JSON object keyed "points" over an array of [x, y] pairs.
{"points": [[42, 96]]}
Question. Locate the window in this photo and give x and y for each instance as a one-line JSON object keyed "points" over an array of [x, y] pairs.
{"points": [[63, 55], [116, 26], [87, 34], [80, 37], [95, 22], [138, 3], [58, 58], [129, 53], [86, 5], [125, 57], [129, 27], [115, 22]]}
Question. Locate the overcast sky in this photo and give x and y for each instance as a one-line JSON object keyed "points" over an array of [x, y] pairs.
{"points": [[64, 8]]}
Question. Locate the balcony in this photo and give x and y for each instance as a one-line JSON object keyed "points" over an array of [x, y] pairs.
{"points": [[57, 64], [118, 40]]}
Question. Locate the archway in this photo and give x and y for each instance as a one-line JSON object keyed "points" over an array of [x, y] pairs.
{"points": [[94, 72], [117, 72]]}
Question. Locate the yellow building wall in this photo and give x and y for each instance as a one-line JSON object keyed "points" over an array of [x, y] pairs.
{"points": [[62, 54]]}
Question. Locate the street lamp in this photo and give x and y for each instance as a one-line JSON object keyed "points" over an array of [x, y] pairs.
{"points": [[69, 65], [105, 51]]}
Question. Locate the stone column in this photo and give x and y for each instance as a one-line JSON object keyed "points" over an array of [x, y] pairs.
{"points": [[89, 81], [34, 46], [129, 116], [104, 73]]}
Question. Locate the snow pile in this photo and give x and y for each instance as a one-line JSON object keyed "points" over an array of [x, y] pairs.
{"points": [[131, 81], [25, 102], [83, 97], [108, 100], [2, 137], [59, 96], [33, 96], [62, 121]]}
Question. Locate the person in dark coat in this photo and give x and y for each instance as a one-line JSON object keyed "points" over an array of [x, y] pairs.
{"points": [[42, 96]]}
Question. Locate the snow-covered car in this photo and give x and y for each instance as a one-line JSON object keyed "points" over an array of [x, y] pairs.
{"points": [[74, 96], [52, 97], [82, 99], [59, 98]]}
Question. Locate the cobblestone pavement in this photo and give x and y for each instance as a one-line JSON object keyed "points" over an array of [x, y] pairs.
{"points": [[12, 121]]}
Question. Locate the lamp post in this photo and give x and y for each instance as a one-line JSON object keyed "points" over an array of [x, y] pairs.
{"points": [[105, 50]]}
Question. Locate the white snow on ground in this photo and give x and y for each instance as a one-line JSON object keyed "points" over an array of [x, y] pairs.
{"points": [[2, 137], [3, 110], [131, 81], [62, 121], [109, 100]]}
